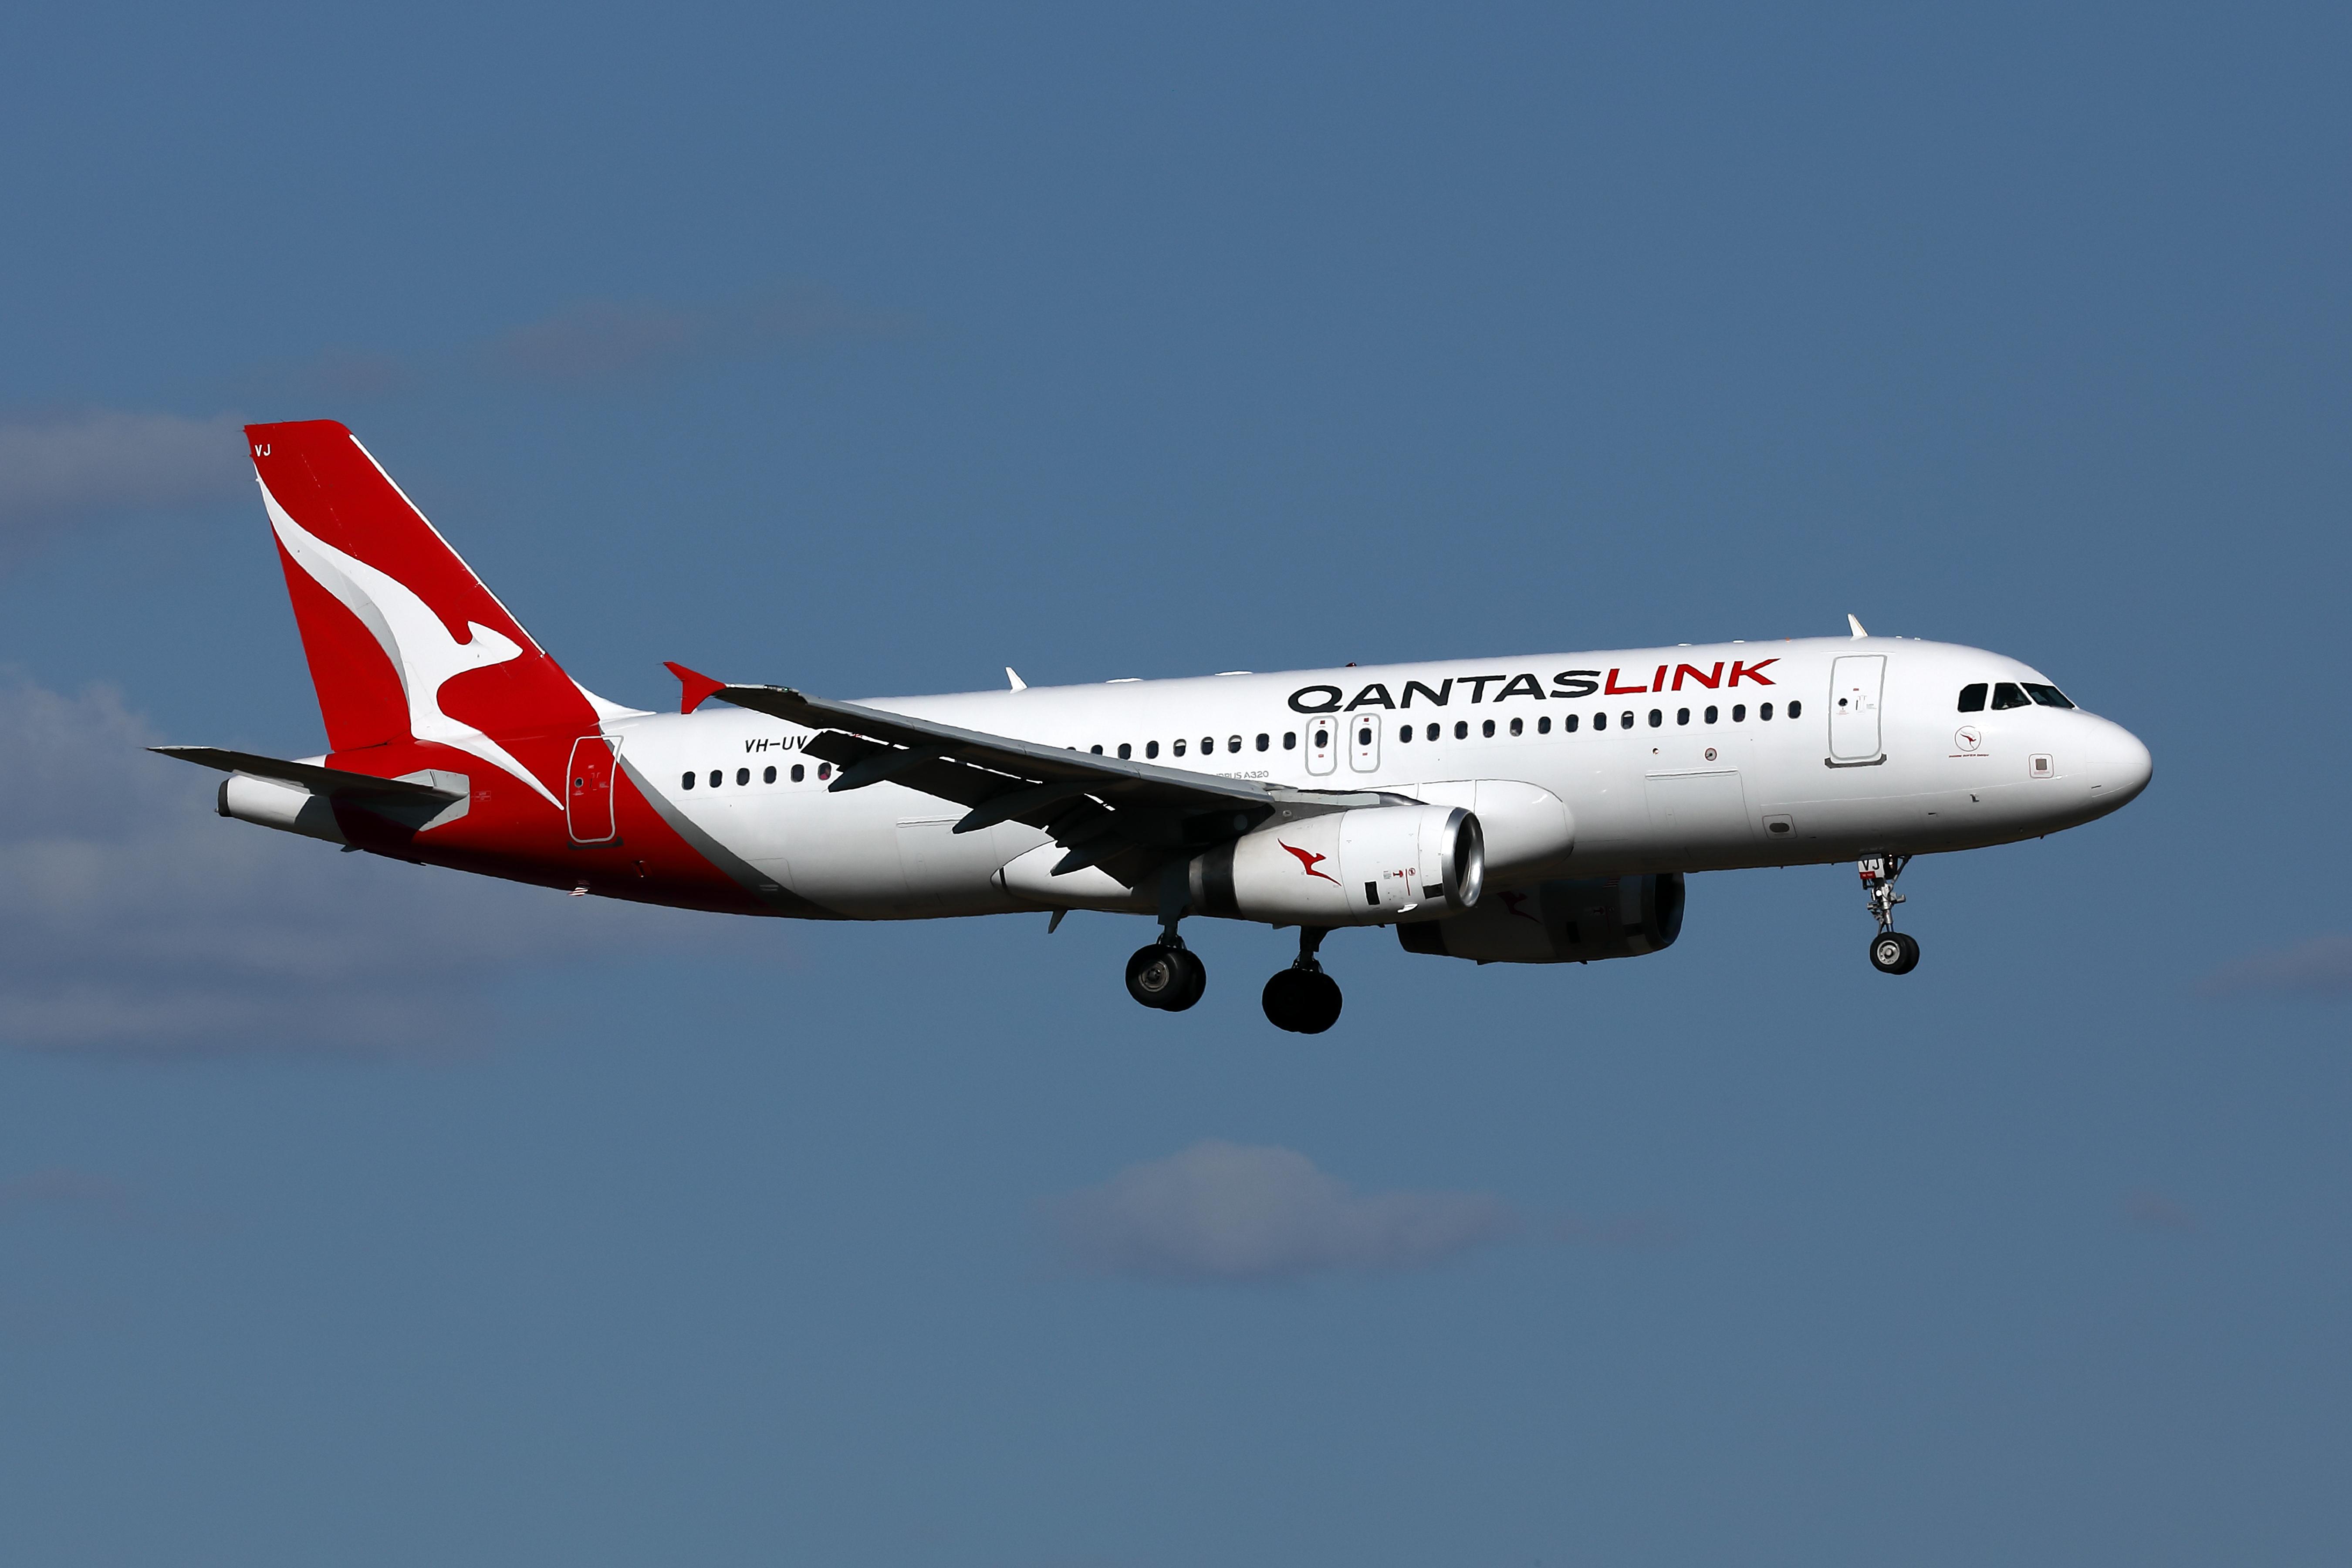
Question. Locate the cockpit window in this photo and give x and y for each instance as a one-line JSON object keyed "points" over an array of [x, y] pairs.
{"points": [[2007, 695], [1972, 698], [2048, 696]]}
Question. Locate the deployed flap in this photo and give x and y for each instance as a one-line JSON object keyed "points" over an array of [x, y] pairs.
{"points": [[308, 776]]}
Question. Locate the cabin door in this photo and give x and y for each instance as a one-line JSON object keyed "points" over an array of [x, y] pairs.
{"points": [[1855, 683], [588, 789]]}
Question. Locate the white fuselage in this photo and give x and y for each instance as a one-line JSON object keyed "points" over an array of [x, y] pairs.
{"points": [[1577, 765]]}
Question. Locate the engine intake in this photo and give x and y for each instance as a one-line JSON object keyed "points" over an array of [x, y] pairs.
{"points": [[1365, 867], [1567, 921]]}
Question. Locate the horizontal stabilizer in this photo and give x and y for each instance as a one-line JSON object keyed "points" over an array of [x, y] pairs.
{"points": [[308, 776]]}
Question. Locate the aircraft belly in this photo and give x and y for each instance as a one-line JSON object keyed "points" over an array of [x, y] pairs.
{"points": [[950, 873], [843, 852]]}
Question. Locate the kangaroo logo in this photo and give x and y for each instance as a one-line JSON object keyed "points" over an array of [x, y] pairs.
{"points": [[1309, 860], [423, 653]]}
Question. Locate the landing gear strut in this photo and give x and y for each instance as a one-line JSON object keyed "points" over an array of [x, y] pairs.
{"points": [[1891, 952], [1168, 974], [1302, 998]]}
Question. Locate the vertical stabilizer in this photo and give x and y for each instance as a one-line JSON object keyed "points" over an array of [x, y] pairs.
{"points": [[404, 641]]}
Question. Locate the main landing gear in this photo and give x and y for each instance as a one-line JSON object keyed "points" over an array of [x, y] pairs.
{"points": [[1167, 975], [1302, 998], [1891, 952]]}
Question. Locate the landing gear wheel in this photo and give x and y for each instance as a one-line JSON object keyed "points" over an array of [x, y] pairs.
{"points": [[1892, 952], [1169, 978], [1302, 1001]]}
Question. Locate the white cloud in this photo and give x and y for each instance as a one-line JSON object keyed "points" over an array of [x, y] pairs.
{"points": [[2319, 967], [1223, 1211], [135, 922], [601, 341], [62, 470]]}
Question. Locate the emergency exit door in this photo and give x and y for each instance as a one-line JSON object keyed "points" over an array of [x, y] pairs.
{"points": [[1323, 743], [588, 789], [1856, 684]]}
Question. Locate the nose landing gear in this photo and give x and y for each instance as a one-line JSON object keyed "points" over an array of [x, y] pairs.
{"points": [[1302, 999], [1891, 952]]}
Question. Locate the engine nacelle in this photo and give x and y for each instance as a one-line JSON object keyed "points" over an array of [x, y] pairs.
{"points": [[1365, 867], [1567, 921]]}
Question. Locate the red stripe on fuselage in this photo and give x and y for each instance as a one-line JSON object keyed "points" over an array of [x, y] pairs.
{"points": [[509, 832]]}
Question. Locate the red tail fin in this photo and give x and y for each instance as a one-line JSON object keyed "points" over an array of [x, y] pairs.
{"points": [[404, 640]]}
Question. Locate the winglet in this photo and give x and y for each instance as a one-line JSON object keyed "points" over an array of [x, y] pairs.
{"points": [[693, 688], [1851, 620]]}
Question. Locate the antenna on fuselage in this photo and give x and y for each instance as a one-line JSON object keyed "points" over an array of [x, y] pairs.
{"points": [[1856, 624], [1014, 677]]}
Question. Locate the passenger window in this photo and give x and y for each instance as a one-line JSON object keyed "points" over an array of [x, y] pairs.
{"points": [[1972, 698], [1150, 748], [1126, 752], [1404, 732], [1488, 729], [1682, 715], [799, 772], [1461, 728], [742, 775], [2007, 695], [1290, 740], [1233, 744], [824, 770], [1096, 749], [1625, 720], [1263, 740], [1739, 712], [2047, 696], [1795, 707], [767, 776], [1600, 721], [686, 782], [1322, 739], [1208, 745], [1568, 725], [1657, 717], [1543, 725], [1433, 732], [1764, 711], [1179, 747], [1363, 736], [1710, 715], [1517, 726], [715, 777]]}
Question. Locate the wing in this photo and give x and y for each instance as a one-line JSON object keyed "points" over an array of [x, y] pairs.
{"points": [[1121, 814]]}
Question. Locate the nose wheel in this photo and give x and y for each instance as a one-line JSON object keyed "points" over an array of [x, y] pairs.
{"points": [[1302, 999], [1891, 952]]}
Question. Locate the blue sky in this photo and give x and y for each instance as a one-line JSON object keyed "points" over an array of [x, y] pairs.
{"points": [[355, 1212]]}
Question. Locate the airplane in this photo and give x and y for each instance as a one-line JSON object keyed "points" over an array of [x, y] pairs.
{"points": [[1540, 809]]}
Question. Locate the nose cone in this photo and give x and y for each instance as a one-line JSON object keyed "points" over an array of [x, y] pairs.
{"points": [[2119, 768]]}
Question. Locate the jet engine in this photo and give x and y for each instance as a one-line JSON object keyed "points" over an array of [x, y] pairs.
{"points": [[1567, 921], [1365, 866]]}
